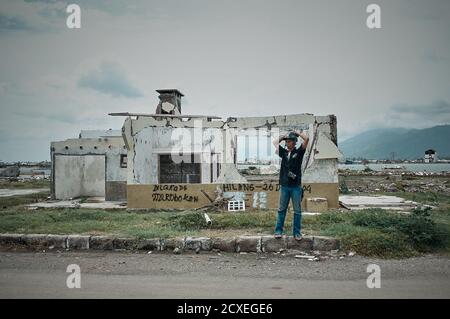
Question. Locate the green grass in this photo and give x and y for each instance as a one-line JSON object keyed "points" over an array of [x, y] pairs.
{"points": [[29, 183], [14, 201], [431, 198], [140, 224], [377, 232], [369, 232], [87, 221]]}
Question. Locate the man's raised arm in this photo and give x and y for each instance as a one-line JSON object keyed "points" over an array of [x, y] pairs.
{"points": [[276, 142], [304, 137]]}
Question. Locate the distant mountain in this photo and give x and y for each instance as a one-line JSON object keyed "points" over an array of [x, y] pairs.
{"points": [[405, 143]]}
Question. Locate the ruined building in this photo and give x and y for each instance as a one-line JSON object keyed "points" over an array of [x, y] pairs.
{"points": [[93, 165], [168, 159]]}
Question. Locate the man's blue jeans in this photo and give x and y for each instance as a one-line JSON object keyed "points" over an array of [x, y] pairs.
{"points": [[286, 193]]}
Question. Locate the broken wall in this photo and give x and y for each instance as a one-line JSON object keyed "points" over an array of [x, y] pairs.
{"points": [[147, 137], [190, 196], [88, 167], [79, 175]]}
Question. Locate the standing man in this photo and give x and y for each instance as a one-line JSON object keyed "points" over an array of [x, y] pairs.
{"points": [[290, 179]]}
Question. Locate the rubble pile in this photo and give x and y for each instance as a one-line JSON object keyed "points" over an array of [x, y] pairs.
{"points": [[394, 183]]}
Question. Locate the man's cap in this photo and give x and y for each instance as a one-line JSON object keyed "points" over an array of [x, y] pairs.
{"points": [[292, 136]]}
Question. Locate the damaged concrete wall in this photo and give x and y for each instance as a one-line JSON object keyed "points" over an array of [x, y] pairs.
{"points": [[79, 175], [88, 167], [320, 160], [116, 175], [147, 138], [322, 171], [190, 196]]}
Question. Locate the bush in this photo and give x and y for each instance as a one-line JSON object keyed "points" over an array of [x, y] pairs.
{"points": [[433, 198], [374, 218], [343, 188], [189, 221], [422, 231], [242, 220], [331, 218], [376, 232], [377, 243]]}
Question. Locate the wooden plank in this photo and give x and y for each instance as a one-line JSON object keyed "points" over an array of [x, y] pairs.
{"points": [[164, 115]]}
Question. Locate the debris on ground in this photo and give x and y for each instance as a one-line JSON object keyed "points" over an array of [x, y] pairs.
{"points": [[97, 203], [411, 182], [305, 257], [357, 202]]}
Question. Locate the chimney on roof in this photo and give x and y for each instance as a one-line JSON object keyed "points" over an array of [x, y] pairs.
{"points": [[169, 101]]}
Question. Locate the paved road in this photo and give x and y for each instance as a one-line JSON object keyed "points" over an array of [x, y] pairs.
{"points": [[209, 275]]}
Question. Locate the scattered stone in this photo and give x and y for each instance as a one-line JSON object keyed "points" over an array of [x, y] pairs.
{"points": [[177, 251]]}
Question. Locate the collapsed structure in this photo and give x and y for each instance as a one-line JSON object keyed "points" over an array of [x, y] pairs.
{"points": [[171, 160]]}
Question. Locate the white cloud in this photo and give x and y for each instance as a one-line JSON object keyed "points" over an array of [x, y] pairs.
{"points": [[109, 78]]}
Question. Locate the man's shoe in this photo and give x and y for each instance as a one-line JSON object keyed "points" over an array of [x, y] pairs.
{"points": [[278, 236], [298, 237]]}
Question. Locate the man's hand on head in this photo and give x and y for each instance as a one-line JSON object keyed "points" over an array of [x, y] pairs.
{"points": [[276, 142], [301, 134], [304, 137]]}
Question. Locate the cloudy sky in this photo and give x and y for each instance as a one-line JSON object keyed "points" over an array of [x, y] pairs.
{"points": [[229, 58]]}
